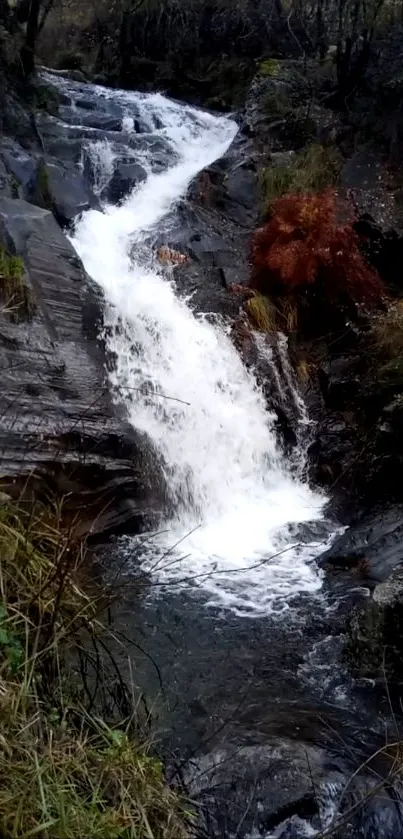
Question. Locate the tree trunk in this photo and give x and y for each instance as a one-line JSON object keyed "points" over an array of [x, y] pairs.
{"points": [[28, 50]]}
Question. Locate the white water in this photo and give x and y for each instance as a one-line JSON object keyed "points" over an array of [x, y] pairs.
{"points": [[232, 494]]}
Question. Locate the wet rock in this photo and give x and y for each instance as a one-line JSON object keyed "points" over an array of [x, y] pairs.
{"points": [[104, 122], [278, 780], [20, 164], [5, 186], [62, 189], [60, 431], [125, 177], [375, 542], [374, 646]]}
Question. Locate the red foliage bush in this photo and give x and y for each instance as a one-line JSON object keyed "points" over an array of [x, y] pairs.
{"points": [[306, 244]]}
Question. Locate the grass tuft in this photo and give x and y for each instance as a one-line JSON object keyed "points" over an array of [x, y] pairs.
{"points": [[15, 291], [305, 370], [64, 772], [387, 331], [262, 313], [312, 170]]}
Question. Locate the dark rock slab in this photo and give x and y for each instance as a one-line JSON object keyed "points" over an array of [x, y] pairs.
{"points": [[59, 426], [61, 189], [125, 177], [375, 542], [374, 643], [278, 779]]}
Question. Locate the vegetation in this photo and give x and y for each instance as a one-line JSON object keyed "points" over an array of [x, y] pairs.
{"points": [[312, 170], [16, 293], [305, 258], [261, 312], [270, 67], [305, 244], [44, 194], [387, 332], [65, 772]]}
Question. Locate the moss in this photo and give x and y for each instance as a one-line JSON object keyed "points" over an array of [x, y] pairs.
{"points": [[312, 170], [42, 180], [14, 186], [16, 293], [270, 67], [65, 773]]}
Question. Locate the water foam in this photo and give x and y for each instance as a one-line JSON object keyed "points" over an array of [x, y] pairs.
{"points": [[233, 495]]}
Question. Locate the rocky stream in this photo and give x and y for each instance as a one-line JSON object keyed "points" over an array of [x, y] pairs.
{"points": [[124, 391]]}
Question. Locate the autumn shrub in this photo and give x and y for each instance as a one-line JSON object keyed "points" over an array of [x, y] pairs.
{"points": [[308, 252]]}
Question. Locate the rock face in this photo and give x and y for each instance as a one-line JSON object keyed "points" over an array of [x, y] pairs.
{"points": [[373, 544], [59, 430], [374, 645]]}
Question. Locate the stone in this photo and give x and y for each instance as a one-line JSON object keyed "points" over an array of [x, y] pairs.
{"points": [[125, 178], [374, 644], [374, 541], [62, 189], [279, 777], [60, 431]]}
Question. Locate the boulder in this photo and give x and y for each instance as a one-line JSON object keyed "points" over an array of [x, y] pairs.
{"points": [[374, 645], [374, 543], [124, 179], [278, 779], [60, 431], [62, 189]]}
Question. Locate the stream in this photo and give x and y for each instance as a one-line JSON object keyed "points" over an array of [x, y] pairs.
{"points": [[242, 633]]}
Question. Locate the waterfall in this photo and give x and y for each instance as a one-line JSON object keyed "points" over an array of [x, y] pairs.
{"points": [[234, 499]]}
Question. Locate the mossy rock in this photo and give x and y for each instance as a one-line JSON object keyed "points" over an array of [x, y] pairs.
{"points": [[15, 291], [271, 67], [374, 644], [41, 192]]}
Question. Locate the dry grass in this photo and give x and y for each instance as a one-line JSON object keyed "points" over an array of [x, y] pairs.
{"points": [[64, 773], [288, 312], [262, 313], [305, 370], [387, 331]]}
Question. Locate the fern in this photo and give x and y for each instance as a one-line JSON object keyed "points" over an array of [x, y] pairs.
{"points": [[309, 244]]}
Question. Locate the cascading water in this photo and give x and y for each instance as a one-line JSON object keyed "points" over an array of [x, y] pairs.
{"points": [[233, 497], [250, 706]]}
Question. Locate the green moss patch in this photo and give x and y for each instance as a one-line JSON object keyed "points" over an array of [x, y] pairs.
{"points": [[16, 294]]}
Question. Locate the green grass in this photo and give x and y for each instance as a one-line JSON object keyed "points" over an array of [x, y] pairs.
{"points": [[16, 294], [65, 773], [312, 170]]}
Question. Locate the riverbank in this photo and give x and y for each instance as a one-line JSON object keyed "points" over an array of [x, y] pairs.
{"points": [[74, 760], [234, 596]]}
